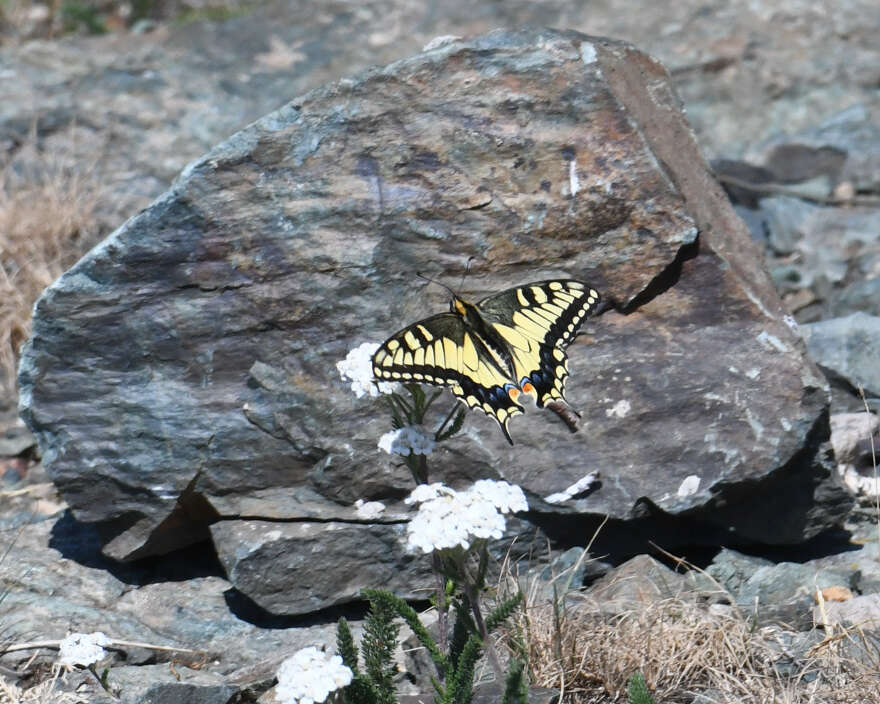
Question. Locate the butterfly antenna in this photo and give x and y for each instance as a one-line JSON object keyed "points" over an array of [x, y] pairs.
{"points": [[467, 268], [434, 281]]}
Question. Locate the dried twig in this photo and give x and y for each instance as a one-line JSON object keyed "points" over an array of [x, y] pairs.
{"points": [[117, 644]]}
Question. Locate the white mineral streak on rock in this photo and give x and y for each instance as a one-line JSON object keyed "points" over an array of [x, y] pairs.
{"points": [[578, 487], [443, 40], [369, 510], [689, 486], [754, 424], [772, 342], [588, 53], [573, 183], [620, 409]]}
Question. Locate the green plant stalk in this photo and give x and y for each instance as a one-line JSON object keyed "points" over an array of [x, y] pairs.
{"points": [[442, 604], [474, 598]]}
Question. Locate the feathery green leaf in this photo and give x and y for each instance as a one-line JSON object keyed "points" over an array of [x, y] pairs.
{"points": [[378, 645], [503, 611], [346, 646], [638, 691], [516, 689]]}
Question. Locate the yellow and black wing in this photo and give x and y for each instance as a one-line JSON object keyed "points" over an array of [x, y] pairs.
{"points": [[537, 322], [444, 351]]}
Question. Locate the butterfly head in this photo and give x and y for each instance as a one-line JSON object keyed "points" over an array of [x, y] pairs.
{"points": [[466, 310]]}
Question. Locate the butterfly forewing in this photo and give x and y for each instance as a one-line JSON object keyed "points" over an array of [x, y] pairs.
{"points": [[442, 350], [538, 321]]}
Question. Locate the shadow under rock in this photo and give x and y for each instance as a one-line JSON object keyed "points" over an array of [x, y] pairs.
{"points": [[662, 536], [82, 542], [246, 609], [833, 541]]}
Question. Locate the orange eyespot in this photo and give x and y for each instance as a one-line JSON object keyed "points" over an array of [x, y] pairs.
{"points": [[513, 393], [528, 388]]}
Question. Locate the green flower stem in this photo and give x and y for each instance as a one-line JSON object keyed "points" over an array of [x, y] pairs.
{"points": [[473, 598], [442, 603], [446, 420]]}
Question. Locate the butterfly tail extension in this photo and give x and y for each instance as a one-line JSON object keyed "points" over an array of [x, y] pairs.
{"points": [[504, 430]]}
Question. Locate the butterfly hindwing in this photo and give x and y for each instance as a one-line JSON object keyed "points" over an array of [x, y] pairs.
{"points": [[441, 350], [538, 321]]}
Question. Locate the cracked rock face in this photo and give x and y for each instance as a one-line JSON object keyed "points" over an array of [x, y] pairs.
{"points": [[182, 375]]}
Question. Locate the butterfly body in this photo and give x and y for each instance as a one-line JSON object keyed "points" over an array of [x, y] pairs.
{"points": [[491, 352]]}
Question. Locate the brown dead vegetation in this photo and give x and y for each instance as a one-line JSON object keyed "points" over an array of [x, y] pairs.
{"points": [[684, 646], [46, 223]]}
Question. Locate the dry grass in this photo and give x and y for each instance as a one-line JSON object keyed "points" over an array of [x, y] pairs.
{"points": [[46, 223], [684, 647], [21, 20], [44, 693]]}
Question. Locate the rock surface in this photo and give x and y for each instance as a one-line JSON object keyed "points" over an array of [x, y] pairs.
{"points": [[784, 592], [848, 349], [274, 563], [638, 584], [812, 199], [207, 327], [861, 612], [856, 438], [55, 582]]}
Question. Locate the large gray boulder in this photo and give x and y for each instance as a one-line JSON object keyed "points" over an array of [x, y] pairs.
{"points": [[182, 375]]}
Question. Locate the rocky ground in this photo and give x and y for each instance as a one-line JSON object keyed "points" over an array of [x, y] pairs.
{"points": [[783, 100]]}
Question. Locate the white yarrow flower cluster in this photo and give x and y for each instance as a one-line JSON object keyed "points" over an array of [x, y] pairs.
{"points": [[426, 492], [83, 649], [309, 676], [506, 497], [449, 518], [411, 439], [357, 367]]}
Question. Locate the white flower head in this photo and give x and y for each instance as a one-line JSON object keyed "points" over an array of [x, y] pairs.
{"points": [[426, 492], [411, 439], [83, 649], [309, 675], [357, 367], [506, 497], [449, 519]]}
